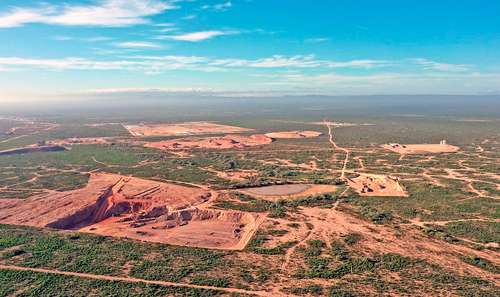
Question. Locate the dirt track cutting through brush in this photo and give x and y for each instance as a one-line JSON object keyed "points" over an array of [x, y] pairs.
{"points": [[133, 280], [336, 147]]}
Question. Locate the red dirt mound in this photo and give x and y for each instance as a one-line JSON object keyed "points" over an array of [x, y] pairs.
{"points": [[377, 185], [106, 195], [293, 134], [115, 205], [225, 142]]}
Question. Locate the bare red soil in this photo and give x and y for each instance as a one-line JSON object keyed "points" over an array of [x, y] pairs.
{"points": [[224, 142], [237, 175], [420, 148], [288, 191], [293, 134], [408, 241], [188, 128], [85, 140], [377, 185], [130, 207]]}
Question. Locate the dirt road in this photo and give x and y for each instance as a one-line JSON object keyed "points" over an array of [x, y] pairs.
{"points": [[335, 146], [135, 280]]}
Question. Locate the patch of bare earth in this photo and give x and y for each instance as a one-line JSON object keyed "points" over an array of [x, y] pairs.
{"points": [[120, 206], [82, 140], [407, 240], [236, 175], [224, 142], [377, 185], [293, 134], [180, 129], [288, 191], [409, 149]]}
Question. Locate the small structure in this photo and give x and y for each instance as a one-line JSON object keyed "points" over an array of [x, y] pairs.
{"points": [[442, 142]]}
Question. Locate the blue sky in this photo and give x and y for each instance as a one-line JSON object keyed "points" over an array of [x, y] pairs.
{"points": [[332, 47]]}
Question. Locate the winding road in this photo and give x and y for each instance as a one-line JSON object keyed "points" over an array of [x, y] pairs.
{"points": [[336, 147]]}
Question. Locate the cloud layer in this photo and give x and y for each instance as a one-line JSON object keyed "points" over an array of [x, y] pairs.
{"points": [[201, 35], [109, 13]]}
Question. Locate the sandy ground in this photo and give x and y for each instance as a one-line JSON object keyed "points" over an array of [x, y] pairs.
{"points": [[140, 209], [311, 165], [293, 134], [55, 208], [376, 239], [421, 148], [224, 142], [289, 191], [235, 175], [188, 128], [85, 140], [377, 185], [195, 227]]}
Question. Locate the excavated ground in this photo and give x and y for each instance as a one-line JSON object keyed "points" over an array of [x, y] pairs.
{"points": [[224, 142], [377, 185], [115, 205]]}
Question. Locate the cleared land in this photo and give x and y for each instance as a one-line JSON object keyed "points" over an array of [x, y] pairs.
{"points": [[182, 129], [82, 140], [129, 207], [293, 134], [377, 185], [289, 191], [421, 148], [225, 142]]}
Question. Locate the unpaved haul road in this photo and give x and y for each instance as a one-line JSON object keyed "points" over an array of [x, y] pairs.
{"points": [[135, 280], [335, 146]]}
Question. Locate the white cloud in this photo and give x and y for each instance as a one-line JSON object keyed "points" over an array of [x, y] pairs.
{"points": [[295, 71], [201, 35], [85, 39], [141, 64], [223, 6], [166, 30], [20, 16], [158, 64], [317, 40], [367, 64], [137, 44], [300, 61], [288, 73], [164, 25], [218, 7], [110, 13], [428, 64]]}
